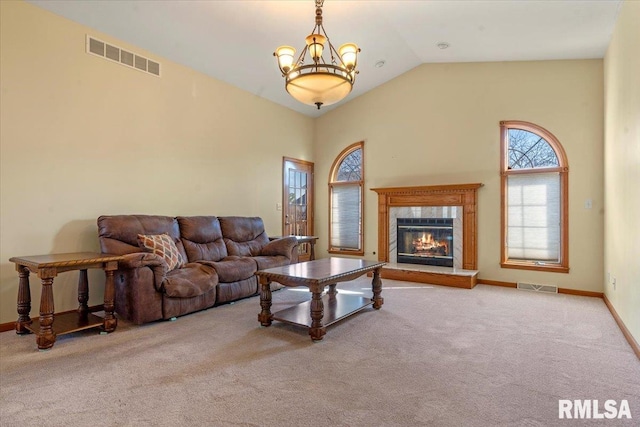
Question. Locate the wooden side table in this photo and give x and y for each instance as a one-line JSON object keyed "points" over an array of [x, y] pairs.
{"points": [[47, 267]]}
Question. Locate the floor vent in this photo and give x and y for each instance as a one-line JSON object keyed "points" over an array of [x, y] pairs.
{"points": [[538, 288], [122, 56]]}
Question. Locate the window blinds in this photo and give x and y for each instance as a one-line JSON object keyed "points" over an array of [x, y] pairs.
{"points": [[533, 217], [345, 217]]}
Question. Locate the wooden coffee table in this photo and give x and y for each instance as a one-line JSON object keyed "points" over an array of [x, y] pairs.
{"points": [[47, 267], [322, 310]]}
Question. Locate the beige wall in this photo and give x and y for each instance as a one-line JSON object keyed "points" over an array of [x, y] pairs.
{"points": [[622, 167], [81, 136], [439, 124]]}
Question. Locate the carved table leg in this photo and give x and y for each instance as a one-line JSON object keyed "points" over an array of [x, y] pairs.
{"points": [[332, 290], [265, 316], [312, 255], [110, 321], [317, 331], [46, 336], [376, 287], [24, 301], [83, 294]]}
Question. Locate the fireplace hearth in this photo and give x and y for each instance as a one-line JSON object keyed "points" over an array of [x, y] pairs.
{"points": [[427, 241]]}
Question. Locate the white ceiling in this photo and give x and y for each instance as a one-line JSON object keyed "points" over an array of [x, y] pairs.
{"points": [[233, 40]]}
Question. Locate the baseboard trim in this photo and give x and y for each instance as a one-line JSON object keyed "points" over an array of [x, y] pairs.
{"points": [[497, 283], [627, 334], [560, 290], [580, 293], [11, 326], [4, 327]]}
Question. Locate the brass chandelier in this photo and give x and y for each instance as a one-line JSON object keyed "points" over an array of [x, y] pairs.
{"points": [[319, 82]]}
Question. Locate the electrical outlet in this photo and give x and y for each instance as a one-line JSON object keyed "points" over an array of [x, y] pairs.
{"points": [[278, 206], [588, 204]]}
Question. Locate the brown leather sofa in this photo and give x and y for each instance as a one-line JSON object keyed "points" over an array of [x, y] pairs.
{"points": [[221, 256]]}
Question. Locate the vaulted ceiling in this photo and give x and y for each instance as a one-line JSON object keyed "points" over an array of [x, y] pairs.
{"points": [[233, 41]]}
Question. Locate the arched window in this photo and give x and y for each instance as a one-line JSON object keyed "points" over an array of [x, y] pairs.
{"points": [[346, 182], [534, 177]]}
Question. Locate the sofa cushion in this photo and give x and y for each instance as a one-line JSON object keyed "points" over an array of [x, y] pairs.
{"points": [[164, 246], [271, 261], [202, 238], [228, 292], [192, 280], [174, 307], [244, 236], [233, 268]]}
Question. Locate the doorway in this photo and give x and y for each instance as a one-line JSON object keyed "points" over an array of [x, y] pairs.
{"points": [[298, 202]]}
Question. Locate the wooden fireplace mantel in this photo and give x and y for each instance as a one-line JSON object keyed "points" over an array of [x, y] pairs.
{"points": [[437, 195]]}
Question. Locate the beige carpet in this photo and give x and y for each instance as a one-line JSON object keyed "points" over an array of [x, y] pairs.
{"points": [[431, 356]]}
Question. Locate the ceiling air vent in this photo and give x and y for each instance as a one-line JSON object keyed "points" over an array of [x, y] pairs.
{"points": [[121, 56]]}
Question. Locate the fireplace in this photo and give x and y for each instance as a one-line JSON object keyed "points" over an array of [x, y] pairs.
{"points": [[410, 202], [427, 241]]}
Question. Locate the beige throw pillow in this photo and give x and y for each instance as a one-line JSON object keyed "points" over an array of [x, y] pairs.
{"points": [[163, 245]]}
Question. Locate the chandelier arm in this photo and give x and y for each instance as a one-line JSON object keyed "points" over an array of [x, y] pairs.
{"points": [[332, 50], [337, 55], [300, 61], [334, 53]]}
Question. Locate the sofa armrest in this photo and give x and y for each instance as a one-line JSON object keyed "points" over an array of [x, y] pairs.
{"points": [[146, 259], [284, 246]]}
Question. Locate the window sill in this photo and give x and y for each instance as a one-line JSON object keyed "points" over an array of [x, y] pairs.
{"points": [[525, 265], [345, 252]]}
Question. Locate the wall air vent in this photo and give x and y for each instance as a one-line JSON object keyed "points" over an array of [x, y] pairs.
{"points": [[121, 56], [538, 288]]}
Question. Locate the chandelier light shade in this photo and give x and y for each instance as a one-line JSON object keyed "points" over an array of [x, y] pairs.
{"points": [[318, 81]]}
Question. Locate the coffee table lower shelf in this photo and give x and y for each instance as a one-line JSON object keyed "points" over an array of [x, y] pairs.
{"points": [[336, 308]]}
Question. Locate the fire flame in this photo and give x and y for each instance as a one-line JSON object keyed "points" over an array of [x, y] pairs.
{"points": [[427, 243]]}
